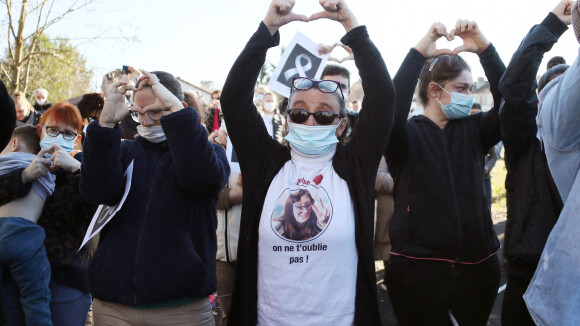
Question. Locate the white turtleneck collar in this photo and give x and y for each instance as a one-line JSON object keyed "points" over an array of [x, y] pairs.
{"points": [[298, 156]]}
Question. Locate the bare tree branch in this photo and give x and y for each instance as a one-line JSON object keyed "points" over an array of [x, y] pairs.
{"points": [[10, 26], [5, 72]]}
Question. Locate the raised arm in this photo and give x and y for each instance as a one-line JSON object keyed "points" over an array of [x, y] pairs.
{"points": [[201, 167], [558, 118], [518, 84], [376, 119], [245, 126], [102, 173], [405, 83], [474, 41]]}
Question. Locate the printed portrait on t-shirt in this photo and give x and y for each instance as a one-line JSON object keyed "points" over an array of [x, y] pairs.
{"points": [[302, 213]]}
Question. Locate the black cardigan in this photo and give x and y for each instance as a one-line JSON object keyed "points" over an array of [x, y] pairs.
{"points": [[533, 201], [440, 208], [262, 157]]}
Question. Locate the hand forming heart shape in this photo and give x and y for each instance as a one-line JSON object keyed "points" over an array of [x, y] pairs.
{"points": [[473, 40], [327, 49]]}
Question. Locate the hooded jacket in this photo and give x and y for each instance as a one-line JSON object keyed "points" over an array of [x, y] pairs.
{"points": [[441, 211]]}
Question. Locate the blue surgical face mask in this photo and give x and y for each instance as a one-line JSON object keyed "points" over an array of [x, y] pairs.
{"points": [[85, 129], [47, 141], [459, 106], [312, 140]]}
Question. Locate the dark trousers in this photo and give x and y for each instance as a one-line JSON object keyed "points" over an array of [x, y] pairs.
{"points": [[514, 310], [426, 292]]}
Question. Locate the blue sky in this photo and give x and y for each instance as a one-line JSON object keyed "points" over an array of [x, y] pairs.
{"points": [[199, 40]]}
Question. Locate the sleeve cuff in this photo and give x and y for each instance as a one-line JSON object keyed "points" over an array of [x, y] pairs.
{"points": [[416, 54], [264, 32], [487, 53], [480, 52], [357, 33], [418, 51], [554, 24]]}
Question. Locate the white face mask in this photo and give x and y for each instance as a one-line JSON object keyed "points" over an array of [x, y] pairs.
{"points": [[41, 102], [153, 134], [269, 107]]}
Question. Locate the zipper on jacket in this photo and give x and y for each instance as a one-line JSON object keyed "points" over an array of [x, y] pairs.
{"points": [[455, 197]]}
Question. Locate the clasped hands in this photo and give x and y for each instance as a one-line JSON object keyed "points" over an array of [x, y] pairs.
{"points": [[115, 108], [280, 13]]}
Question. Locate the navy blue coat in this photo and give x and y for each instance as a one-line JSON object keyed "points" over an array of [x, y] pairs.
{"points": [[161, 246]]}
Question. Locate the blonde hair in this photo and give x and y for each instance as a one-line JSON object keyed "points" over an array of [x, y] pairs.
{"points": [[20, 99]]}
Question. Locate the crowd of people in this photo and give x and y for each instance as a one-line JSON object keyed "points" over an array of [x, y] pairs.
{"points": [[323, 190]]}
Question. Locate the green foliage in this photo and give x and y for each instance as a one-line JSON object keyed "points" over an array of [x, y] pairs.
{"points": [[498, 174], [56, 66], [265, 73]]}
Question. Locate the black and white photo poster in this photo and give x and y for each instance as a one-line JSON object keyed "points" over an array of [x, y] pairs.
{"points": [[300, 59], [104, 213]]}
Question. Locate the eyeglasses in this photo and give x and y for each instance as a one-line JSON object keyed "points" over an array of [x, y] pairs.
{"points": [[54, 132], [301, 208], [321, 117], [152, 114], [325, 86]]}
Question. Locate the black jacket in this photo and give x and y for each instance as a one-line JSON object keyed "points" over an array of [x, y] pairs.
{"points": [[533, 201], [7, 116], [262, 157], [440, 208]]}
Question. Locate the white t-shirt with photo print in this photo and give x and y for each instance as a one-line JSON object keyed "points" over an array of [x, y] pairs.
{"points": [[307, 257]]}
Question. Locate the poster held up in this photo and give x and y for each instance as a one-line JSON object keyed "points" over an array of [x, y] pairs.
{"points": [[104, 213], [300, 59]]}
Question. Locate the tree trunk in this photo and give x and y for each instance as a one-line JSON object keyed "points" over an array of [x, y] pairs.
{"points": [[18, 48]]}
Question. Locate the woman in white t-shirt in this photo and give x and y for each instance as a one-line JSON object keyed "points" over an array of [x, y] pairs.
{"points": [[315, 265]]}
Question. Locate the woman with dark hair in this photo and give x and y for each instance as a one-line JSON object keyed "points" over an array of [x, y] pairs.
{"points": [[299, 221], [65, 218], [443, 262], [90, 106], [280, 281]]}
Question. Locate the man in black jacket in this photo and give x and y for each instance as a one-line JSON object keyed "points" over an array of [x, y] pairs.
{"points": [[533, 201]]}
